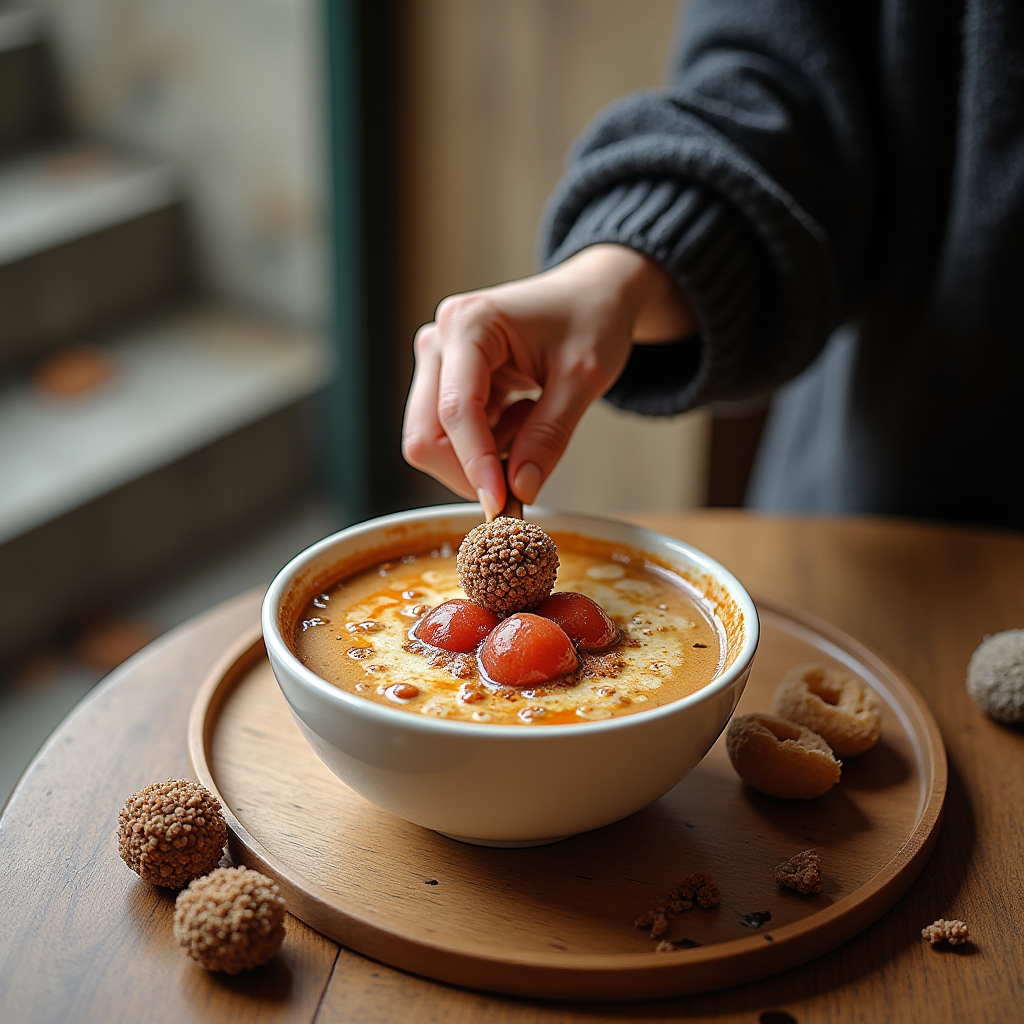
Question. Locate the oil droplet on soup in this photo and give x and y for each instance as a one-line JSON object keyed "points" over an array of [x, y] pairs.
{"points": [[668, 646]]}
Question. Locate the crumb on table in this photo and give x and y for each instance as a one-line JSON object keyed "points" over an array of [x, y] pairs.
{"points": [[802, 873], [953, 932]]}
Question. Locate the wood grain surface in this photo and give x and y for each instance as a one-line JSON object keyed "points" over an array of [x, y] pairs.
{"points": [[82, 940], [557, 921]]}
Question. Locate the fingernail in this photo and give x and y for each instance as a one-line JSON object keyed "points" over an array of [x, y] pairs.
{"points": [[527, 482], [487, 500]]}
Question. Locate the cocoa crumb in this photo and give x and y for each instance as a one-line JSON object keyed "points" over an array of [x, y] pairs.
{"points": [[660, 925], [471, 693], [802, 873], [601, 666], [462, 666], [699, 888], [953, 932]]}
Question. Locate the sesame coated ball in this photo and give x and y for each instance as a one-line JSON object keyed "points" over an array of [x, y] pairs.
{"points": [[171, 832], [232, 920], [507, 565], [995, 676]]}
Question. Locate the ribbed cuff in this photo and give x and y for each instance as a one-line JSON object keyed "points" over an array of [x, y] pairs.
{"points": [[649, 173], [711, 251]]}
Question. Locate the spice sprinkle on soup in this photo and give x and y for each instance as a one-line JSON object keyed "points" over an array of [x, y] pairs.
{"points": [[403, 634]]}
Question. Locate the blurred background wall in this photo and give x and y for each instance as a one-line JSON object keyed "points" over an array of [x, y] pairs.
{"points": [[230, 94], [163, 343], [175, 354], [161, 286]]}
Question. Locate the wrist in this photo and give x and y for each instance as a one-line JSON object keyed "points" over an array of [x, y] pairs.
{"points": [[656, 306]]}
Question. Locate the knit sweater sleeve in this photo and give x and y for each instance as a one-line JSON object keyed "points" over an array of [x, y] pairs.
{"points": [[750, 178]]}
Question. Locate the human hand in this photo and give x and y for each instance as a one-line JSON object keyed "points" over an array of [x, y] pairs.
{"points": [[568, 332]]}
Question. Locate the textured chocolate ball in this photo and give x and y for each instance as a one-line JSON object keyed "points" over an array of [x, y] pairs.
{"points": [[507, 565], [232, 920], [995, 676], [171, 832]]}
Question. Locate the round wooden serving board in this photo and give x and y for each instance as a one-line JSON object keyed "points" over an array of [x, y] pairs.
{"points": [[557, 921]]}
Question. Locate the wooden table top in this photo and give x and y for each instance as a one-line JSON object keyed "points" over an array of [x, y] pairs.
{"points": [[82, 939]]}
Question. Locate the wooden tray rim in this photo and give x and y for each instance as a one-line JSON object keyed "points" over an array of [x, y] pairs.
{"points": [[573, 975]]}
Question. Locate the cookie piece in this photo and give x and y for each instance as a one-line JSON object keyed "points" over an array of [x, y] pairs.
{"points": [[171, 832], [232, 920], [781, 758], [507, 565], [835, 704]]}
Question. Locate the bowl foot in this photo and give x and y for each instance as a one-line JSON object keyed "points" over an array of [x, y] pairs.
{"points": [[505, 844]]}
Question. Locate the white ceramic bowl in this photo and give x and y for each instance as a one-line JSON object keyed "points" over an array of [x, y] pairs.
{"points": [[492, 784]]}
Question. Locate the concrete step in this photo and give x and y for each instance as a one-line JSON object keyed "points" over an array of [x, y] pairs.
{"points": [[200, 427], [88, 237], [177, 385]]}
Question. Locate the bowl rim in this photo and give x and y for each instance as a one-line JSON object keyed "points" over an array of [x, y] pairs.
{"points": [[398, 717]]}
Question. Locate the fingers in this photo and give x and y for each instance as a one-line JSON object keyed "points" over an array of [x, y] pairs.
{"points": [[456, 396], [425, 445], [557, 332], [507, 384], [464, 391], [546, 430], [458, 391], [510, 423]]}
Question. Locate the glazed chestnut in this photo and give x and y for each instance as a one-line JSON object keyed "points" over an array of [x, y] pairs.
{"points": [[526, 650], [584, 621], [457, 626]]}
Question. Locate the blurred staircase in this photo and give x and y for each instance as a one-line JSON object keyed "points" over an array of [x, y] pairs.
{"points": [[190, 418]]}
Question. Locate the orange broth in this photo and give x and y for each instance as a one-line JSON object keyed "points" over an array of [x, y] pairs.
{"points": [[357, 634]]}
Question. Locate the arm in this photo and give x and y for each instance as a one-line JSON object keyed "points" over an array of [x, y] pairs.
{"points": [[750, 179], [743, 194]]}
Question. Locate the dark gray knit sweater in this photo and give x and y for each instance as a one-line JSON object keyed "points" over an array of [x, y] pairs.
{"points": [[840, 188]]}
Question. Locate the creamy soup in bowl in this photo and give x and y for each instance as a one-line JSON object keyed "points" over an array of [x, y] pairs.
{"points": [[362, 634], [424, 732]]}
